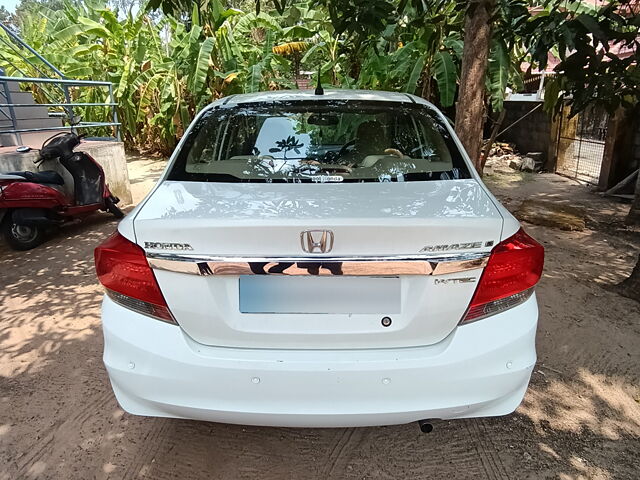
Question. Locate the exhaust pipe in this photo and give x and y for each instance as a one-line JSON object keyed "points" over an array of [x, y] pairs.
{"points": [[425, 426]]}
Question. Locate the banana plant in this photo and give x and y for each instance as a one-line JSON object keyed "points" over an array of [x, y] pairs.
{"points": [[166, 67], [324, 53]]}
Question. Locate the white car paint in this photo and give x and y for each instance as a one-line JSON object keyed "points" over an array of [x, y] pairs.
{"points": [[481, 369], [266, 219], [319, 369]]}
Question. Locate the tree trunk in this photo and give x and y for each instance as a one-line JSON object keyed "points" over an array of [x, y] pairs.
{"points": [[633, 218], [426, 85], [630, 287], [475, 55], [492, 138]]}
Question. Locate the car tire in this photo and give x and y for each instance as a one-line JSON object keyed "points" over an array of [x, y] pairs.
{"points": [[22, 237]]}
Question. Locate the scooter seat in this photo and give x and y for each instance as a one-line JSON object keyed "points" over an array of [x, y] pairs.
{"points": [[48, 176]]}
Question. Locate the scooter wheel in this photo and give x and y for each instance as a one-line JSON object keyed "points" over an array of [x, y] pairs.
{"points": [[22, 237], [112, 208]]}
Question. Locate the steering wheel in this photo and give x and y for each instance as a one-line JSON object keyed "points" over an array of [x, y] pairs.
{"points": [[345, 148]]}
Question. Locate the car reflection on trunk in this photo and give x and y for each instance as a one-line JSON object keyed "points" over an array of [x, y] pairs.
{"points": [[258, 268]]}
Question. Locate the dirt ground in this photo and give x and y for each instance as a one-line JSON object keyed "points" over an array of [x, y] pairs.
{"points": [[580, 417]]}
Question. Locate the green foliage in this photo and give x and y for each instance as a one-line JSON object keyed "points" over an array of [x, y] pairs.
{"points": [[199, 74], [416, 46], [445, 73], [163, 70], [598, 49], [165, 67], [510, 23], [5, 16], [498, 75]]}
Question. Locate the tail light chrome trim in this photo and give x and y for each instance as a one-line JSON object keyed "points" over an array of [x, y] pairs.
{"points": [[159, 312], [473, 314], [325, 266]]}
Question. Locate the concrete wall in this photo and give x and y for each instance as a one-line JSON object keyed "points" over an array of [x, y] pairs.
{"points": [[110, 155], [531, 134]]}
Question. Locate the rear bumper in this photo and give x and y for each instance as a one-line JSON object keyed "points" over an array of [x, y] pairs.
{"points": [[481, 369]]}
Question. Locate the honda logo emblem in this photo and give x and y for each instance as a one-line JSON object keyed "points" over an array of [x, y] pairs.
{"points": [[316, 241]]}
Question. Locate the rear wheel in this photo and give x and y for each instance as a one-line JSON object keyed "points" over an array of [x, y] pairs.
{"points": [[112, 208], [22, 237]]}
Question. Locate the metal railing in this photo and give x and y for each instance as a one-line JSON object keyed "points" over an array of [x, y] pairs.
{"points": [[59, 82], [5, 94]]}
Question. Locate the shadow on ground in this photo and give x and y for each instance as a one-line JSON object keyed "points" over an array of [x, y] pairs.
{"points": [[58, 418]]}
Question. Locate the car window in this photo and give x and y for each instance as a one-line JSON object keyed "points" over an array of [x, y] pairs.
{"points": [[316, 141]]}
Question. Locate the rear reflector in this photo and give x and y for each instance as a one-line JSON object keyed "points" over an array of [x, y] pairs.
{"points": [[123, 270], [514, 268]]}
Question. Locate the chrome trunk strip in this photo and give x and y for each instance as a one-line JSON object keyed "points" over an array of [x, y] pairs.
{"points": [[351, 266]]}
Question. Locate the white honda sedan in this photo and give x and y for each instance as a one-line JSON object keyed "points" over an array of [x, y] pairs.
{"points": [[319, 260]]}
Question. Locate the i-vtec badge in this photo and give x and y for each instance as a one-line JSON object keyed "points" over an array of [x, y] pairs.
{"points": [[167, 246], [455, 246]]}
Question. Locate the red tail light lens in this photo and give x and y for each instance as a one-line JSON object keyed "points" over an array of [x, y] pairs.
{"points": [[514, 268], [123, 270]]}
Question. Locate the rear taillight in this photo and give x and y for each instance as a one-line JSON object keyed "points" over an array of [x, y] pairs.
{"points": [[514, 267], [123, 270]]}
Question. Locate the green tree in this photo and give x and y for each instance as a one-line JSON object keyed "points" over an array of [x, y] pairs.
{"points": [[6, 16], [598, 49], [475, 58], [599, 53], [164, 69]]}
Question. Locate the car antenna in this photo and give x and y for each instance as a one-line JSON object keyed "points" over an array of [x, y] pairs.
{"points": [[319, 89]]}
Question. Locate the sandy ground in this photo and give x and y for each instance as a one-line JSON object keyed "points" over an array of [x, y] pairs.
{"points": [[580, 417]]}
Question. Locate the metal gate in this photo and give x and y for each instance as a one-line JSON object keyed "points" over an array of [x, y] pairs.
{"points": [[581, 142]]}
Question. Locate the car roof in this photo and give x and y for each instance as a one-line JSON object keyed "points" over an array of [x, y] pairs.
{"points": [[329, 94]]}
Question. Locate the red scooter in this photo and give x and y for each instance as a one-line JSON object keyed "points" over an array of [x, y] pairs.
{"points": [[33, 203]]}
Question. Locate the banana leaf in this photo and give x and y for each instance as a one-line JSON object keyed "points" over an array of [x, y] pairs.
{"points": [[202, 65], [446, 77]]}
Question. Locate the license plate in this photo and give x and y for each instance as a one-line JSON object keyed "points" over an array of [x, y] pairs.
{"points": [[334, 295]]}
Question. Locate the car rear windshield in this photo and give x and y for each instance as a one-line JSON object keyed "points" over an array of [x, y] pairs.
{"points": [[319, 141]]}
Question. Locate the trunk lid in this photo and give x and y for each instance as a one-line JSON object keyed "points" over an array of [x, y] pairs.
{"points": [[325, 312]]}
